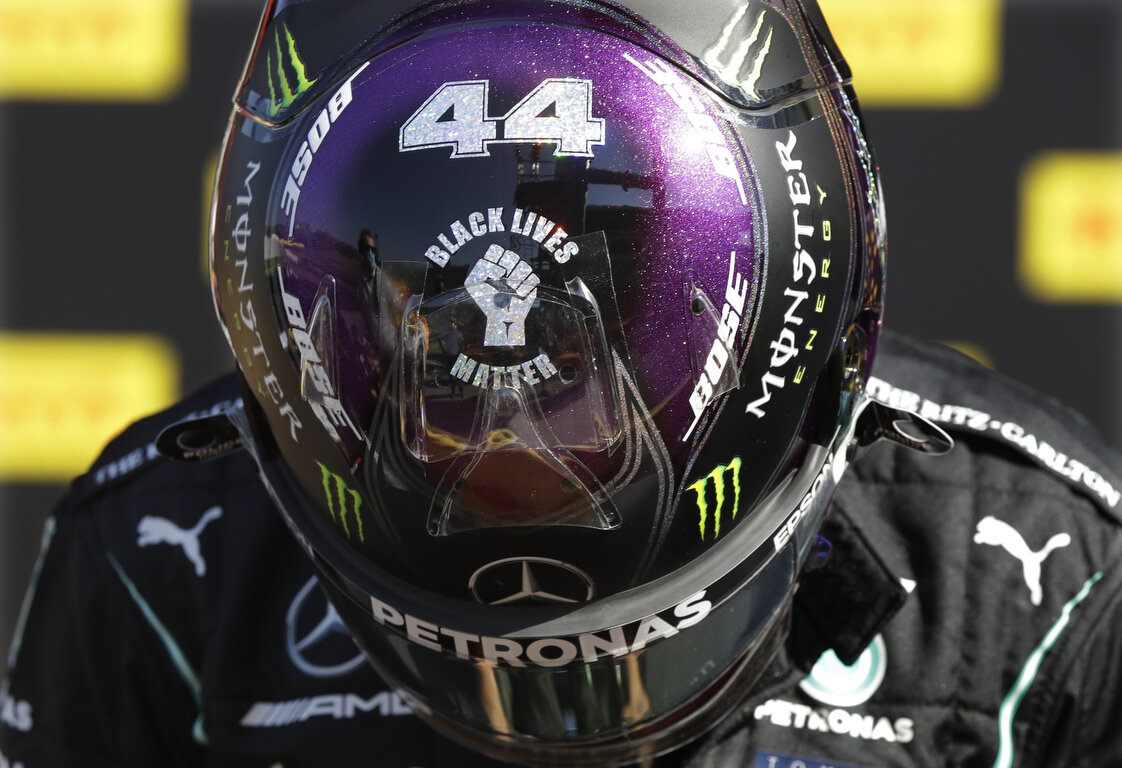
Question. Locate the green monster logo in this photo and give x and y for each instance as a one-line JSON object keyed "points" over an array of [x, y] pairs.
{"points": [[342, 500], [701, 488], [729, 57], [288, 93]]}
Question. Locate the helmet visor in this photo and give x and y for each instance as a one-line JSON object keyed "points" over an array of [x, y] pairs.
{"points": [[598, 697]]}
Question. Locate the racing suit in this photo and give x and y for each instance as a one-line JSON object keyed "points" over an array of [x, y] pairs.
{"points": [[172, 620]]}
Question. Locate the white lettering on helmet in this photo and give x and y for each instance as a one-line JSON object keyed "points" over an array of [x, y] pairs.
{"points": [[830, 473], [723, 350], [245, 318], [547, 233], [321, 397], [547, 651], [702, 125], [785, 347], [338, 102]]}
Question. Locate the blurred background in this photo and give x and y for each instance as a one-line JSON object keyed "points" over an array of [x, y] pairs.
{"points": [[998, 127]]}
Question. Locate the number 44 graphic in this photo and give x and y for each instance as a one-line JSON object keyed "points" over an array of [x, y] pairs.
{"points": [[559, 110]]}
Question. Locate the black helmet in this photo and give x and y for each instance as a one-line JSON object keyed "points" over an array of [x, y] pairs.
{"points": [[553, 318]]}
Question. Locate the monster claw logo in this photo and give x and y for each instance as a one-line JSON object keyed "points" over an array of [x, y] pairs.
{"points": [[343, 499], [738, 57], [288, 94], [701, 488]]}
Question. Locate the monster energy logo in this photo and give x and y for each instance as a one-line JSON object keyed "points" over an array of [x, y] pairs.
{"points": [[701, 488], [342, 501], [288, 92], [735, 52]]}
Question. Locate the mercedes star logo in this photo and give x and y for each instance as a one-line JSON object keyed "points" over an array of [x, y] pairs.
{"points": [[516, 580], [317, 642]]}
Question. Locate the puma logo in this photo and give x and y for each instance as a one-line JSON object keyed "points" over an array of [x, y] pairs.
{"points": [[1000, 534], [157, 530]]}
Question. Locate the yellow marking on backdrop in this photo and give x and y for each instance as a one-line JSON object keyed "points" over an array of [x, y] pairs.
{"points": [[919, 53], [63, 396], [108, 50], [1071, 227]]}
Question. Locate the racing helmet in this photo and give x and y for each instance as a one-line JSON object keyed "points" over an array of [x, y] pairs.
{"points": [[553, 319]]}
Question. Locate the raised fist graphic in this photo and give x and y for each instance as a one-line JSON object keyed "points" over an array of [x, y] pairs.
{"points": [[504, 287]]}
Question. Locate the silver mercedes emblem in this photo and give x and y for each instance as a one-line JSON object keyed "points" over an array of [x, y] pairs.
{"points": [[516, 580], [317, 642]]}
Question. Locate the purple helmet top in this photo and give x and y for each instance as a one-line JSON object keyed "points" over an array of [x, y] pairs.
{"points": [[454, 149]]}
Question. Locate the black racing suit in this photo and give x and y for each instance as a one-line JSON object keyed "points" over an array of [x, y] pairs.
{"points": [[173, 621]]}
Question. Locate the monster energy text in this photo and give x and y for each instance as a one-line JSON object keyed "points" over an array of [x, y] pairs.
{"points": [[786, 347], [245, 318]]}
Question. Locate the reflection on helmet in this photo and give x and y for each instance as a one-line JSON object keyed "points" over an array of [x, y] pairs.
{"points": [[518, 415], [554, 318]]}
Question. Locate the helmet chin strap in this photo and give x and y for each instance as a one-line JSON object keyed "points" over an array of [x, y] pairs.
{"points": [[201, 438], [876, 421], [880, 421]]}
